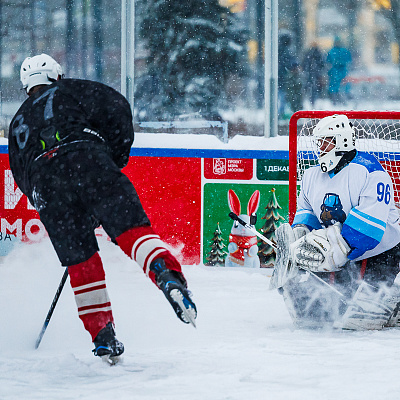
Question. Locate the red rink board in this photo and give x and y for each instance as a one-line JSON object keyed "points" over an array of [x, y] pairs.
{"points": [[170, 191], [169, 188]]}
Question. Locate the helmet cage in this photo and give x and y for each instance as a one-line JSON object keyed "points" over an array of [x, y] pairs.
{"points": [[333, 136]]}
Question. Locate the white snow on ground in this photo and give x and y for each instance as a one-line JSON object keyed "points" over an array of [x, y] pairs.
{"points": [[193, 141], [244, 347]]}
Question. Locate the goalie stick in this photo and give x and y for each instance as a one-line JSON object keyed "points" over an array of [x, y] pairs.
{"points": [[274, 246]]}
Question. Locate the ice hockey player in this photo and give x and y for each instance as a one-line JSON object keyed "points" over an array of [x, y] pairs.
{"points": [[67, 145], [337, 265]]}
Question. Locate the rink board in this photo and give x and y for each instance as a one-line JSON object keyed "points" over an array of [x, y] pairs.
{"points": [[183, 191]]}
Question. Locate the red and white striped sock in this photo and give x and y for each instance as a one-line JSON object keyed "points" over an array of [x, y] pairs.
{"points": [[143, 245], [89, 285]]}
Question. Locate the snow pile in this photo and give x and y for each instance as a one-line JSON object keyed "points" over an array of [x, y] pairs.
{"points": [[200, 141]]}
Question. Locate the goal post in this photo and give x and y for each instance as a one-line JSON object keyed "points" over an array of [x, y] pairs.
{"points": [[377, 132]]}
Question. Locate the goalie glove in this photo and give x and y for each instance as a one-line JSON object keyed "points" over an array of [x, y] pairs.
{"points": [[322, 250]]}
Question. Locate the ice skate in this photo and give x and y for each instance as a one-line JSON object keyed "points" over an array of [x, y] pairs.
{"points": [[174, 286], [107, 347]]}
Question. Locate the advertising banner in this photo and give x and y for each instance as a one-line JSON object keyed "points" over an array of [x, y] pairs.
{"points": [[186, 199]]}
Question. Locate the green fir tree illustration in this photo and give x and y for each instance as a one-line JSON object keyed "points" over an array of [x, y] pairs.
{"points": [[217, 254], [272, 219]]}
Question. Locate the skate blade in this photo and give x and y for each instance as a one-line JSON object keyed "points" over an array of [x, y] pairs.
{"points": [[111, 360], [189, 314]]}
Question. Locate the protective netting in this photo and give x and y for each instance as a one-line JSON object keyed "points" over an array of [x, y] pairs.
{"points": [[375, 136]]}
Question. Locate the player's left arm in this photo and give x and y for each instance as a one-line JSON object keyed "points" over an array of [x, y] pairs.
{"points": [[109, 113], [365, 224]]}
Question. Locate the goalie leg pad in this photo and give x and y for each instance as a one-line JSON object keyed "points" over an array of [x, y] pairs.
{"points": [[311, 304], [284, 269], [372, 308], [394, 320]]}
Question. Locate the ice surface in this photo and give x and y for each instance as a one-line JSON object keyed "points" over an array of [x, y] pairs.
{"points": [[244, 347]]}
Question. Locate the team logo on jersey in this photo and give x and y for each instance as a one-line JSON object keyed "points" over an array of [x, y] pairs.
{"points": [[332, 210]]}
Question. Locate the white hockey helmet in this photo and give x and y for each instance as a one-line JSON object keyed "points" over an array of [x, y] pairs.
{"points": [[39, 70], [334, 136]]}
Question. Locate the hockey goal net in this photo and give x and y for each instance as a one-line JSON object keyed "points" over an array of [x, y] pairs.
{"points": [[377, 132]]}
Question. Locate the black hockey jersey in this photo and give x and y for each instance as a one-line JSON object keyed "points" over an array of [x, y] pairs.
{"points": [[69, 114]]}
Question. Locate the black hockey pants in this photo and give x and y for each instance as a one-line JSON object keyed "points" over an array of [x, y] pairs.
{"points": [[73, 189]]}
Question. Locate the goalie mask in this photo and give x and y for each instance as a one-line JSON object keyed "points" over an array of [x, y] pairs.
{"points": [[39, 70], [333, 136]]}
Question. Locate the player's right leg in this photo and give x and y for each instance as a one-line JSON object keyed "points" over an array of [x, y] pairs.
{"points": [[118, 207], [311, 303], [145, 247]]}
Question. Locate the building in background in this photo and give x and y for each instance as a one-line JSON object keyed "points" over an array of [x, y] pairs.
{"points": [[366, 27]]}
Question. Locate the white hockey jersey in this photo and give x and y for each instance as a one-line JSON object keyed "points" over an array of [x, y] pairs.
{"points": [[360, 196]]}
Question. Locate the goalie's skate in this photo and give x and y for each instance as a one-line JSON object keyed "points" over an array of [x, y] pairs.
{"points": [[174, 287], [107, 347]]}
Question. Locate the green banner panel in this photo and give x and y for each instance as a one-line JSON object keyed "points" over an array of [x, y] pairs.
{"points": [[273, 170], [216, 210]]}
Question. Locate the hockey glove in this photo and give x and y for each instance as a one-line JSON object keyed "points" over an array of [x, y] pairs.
{"points": [[322, 250]]}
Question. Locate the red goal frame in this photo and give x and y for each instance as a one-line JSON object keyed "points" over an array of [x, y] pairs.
{"points": [[293, 142]]}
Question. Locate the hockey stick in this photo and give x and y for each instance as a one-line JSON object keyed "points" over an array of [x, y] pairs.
{"points": [[52, 307], [246, 225], [274, 246]]}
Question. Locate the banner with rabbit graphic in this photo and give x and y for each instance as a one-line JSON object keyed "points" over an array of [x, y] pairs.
{"points": [[227, 245]]}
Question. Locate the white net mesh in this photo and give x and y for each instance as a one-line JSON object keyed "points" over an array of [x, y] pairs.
{"points": [[375, 136]]}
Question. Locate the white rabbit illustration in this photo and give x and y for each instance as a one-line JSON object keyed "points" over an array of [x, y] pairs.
{"points": [[242, 246]]}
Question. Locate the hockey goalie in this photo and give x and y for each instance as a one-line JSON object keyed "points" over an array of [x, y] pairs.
{"points": [[338, 264]]}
